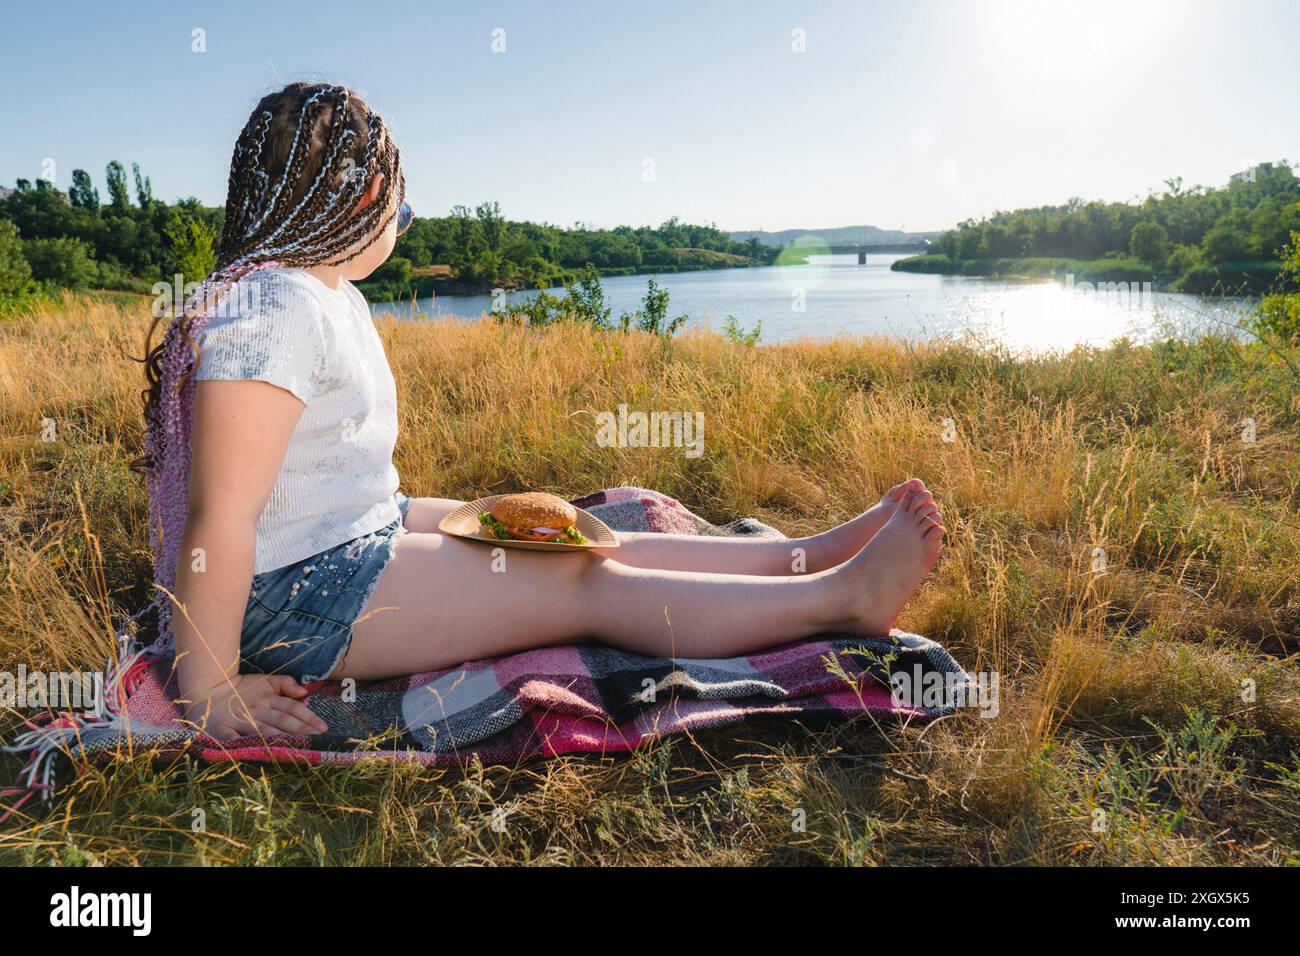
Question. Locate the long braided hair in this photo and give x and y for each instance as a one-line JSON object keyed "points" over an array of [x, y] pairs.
{"points": [[300, 167]]}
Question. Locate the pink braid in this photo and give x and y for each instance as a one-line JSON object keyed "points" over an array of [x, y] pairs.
{"points": [[167, 441]]}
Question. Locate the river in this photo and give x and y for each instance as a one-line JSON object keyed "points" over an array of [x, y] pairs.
{"points": [[833, 295]]}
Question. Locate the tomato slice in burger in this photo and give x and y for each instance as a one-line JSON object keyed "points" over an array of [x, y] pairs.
{"points": [[533, 535]]}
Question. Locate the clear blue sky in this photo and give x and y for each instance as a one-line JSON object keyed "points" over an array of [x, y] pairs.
{"points": [[903, 114]]}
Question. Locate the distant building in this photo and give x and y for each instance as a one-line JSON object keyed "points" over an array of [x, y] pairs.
{"points": [[1249, 175]]}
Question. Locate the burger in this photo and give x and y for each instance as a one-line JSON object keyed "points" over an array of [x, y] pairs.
{"points": [[532, 516]]}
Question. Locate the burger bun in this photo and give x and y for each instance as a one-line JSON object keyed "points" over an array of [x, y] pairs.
{"points": [[534, 509]]}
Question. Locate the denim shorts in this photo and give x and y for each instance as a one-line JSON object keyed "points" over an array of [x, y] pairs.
{"points": [[299, 617]]}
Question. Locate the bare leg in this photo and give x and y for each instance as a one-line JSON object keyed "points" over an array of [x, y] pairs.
{"points": [[761, 556], [819, 552], [444, 600]]}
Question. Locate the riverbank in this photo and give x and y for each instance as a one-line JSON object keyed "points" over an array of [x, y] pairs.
{"points": [[440, 280], [1121, 682], [1234, 278]]}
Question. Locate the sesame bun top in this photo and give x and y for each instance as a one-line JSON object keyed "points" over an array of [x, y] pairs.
{"points": [[534, 509]]}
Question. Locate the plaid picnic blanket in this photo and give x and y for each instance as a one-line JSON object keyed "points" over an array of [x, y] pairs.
{"points": [[545, 702]]}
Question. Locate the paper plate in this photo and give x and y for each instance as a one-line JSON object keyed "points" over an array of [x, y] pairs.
{"points": [[463, 523]]}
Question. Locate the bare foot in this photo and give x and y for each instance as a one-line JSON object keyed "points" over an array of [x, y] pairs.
{"points": [[879, 580], [837, 545]]}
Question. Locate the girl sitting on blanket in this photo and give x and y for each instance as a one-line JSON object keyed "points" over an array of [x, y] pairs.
{"points": [[284, 551]]}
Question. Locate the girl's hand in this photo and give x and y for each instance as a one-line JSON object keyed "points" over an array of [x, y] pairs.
{"points": [[254, 704]]}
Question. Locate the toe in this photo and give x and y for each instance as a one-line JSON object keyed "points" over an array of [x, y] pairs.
{"points": [[919, 501], [905, 488]]}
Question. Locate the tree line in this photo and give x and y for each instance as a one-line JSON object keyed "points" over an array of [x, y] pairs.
{"points": [[482, 249], [51, 238], [73, 239], [1186, 234]]}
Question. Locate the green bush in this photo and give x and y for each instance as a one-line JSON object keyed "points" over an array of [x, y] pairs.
{"points": [[62, 262], [192, 246], [1149, 242], [1226, 243], [15, 273], [1184, 258], [1279, 314], [1231, 278], [396, 269]]}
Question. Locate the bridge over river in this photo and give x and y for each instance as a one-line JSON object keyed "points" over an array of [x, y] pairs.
{"points": [[865, 249]]}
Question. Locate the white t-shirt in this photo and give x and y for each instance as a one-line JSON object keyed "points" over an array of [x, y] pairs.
{"points": [[286, 327]]}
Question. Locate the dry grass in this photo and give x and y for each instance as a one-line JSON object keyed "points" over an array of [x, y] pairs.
{"points": [[1121, 693]]}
